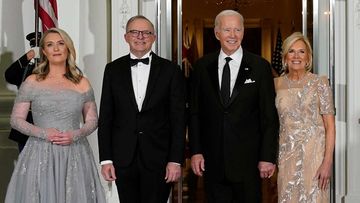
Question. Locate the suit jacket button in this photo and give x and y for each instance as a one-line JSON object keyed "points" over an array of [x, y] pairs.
{"points": [[225, 112], [141, 132]]}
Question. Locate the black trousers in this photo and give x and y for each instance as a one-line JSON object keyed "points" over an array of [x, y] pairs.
{"points": [[138, 184], [226, 191]]}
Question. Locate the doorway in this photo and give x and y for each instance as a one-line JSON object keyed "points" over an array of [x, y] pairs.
{"points": [[264, 21]]}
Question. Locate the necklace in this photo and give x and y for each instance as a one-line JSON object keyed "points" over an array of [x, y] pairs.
{"points": [[295, 83], [295, 88]]}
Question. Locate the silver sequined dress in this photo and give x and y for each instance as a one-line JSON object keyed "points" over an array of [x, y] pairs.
{"points": [[50, 173], [302, 137]]}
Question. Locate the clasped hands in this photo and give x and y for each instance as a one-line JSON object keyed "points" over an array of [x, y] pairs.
{"points": [[57, 137]]}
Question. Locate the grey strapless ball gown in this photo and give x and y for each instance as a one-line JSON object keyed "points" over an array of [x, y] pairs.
{"points": [[50, 173]]}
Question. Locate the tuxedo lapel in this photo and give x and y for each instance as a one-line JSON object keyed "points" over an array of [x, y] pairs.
{"points": [[244, 73], [125, 76], [153, 76]]}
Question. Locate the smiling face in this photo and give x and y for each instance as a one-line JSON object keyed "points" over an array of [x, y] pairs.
{"points": [[140, 37], [55, 49], [297, 57], [229, 32]]}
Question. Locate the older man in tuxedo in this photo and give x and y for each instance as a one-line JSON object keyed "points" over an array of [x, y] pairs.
{"points": [[234, 123], [142, 119]]}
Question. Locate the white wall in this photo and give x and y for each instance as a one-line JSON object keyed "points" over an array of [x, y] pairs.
{"points": [[353, 102], [321, 40], [16, 21], [340, 100], [347, 100]]}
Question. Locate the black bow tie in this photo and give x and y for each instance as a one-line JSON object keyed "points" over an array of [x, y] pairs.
{"points": [[134, 62]]}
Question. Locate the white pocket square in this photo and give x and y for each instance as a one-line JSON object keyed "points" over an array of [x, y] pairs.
{"points": [[249, 81]]}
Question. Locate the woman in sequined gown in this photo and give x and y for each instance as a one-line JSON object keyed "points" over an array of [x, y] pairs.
{"points": [[57, 163], [307, 127]]}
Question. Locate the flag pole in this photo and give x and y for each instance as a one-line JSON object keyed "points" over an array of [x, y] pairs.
{"points": [[36, 26]]}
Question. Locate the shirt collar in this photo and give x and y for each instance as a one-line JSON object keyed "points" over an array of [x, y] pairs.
{"points": [[236, 56], [147, 55]]}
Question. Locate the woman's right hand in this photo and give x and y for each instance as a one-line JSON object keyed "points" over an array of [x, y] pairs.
{"points": [[52, 134]]}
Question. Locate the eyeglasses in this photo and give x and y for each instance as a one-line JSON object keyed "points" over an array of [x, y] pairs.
{"points": [[136, 33]]}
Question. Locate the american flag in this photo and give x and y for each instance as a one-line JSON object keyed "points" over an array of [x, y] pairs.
{"points": [[276, 57], [48, 14]]}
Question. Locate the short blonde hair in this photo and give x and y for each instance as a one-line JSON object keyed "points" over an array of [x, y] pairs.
{"points": [[288, 42], [72, 72]]}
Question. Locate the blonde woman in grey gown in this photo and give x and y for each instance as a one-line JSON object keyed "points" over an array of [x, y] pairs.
{"points": [[57, 163]]}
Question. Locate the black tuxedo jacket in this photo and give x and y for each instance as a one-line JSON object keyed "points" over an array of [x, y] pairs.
{"points": [[233, 138], [157, 132], [15, 74]]}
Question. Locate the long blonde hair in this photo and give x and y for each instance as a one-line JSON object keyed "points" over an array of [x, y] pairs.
{"points": [[72, 72], [288, 42]]}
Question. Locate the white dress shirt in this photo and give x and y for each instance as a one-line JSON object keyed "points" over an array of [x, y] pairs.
{"points": [[234, 66], [140, 77]]}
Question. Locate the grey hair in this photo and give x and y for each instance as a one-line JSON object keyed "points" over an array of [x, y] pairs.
{"points": [[228, 13], [132, 19]]}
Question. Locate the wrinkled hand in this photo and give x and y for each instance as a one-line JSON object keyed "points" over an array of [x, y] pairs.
{"points": [[266, 169], [108, 172], [323, 175], [173, 172], [198, 164]]}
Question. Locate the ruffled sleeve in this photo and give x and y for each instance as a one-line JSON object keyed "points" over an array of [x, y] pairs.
{"points": [[325, 96]]}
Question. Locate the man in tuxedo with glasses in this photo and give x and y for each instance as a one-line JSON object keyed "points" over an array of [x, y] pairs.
{"points": [[142, 119]]}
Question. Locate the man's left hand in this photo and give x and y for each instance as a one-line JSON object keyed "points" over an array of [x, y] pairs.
{"points": [[266, 169], [173, 172]]}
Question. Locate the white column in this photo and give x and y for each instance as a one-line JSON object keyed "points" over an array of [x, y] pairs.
{"points": [[321, 37], [340, 99], [353, 102]]}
